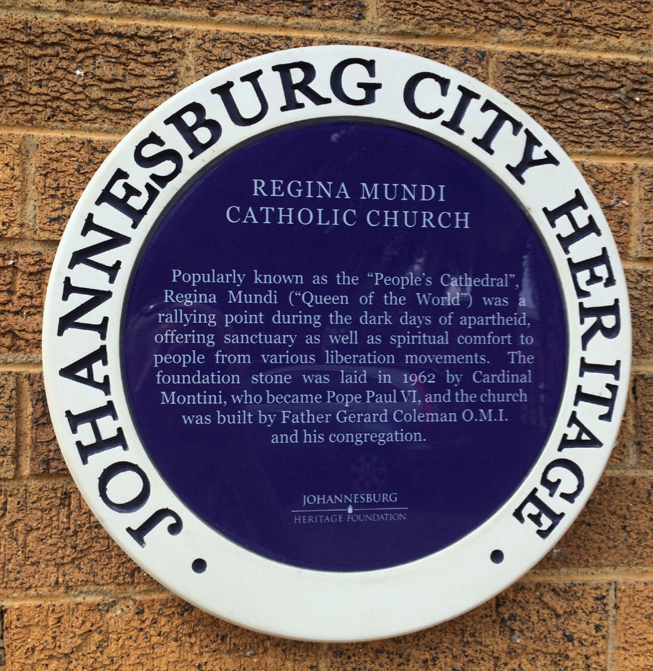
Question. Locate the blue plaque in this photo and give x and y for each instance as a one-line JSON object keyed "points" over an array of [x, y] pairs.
{"points": [[337, 331], [344, 346]]}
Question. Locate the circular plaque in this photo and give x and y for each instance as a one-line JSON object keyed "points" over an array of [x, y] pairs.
{"points": [[337, 343]]}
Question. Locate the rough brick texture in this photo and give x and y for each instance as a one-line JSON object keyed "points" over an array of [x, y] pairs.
{"points": [[473, 640], [620, 452], [644, 416], [336, 13], [43, 450], [626, 21], [471, 61], [602, 106], [50, 539], [10, 182], [63, 168], [539, 626], [75, 75], [645, 238], [345, 10], [613, 531], [8, 418], [634, 625], [3, 658], [23, 281], [141, 635], [84, 73], [533, 626], [640, 288], [612, 184], [216, 50]]}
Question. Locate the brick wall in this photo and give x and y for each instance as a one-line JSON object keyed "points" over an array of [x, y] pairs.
{"points": [[75, 76]]}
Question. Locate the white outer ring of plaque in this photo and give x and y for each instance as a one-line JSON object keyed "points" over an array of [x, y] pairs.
{"points": [[241, 586]]}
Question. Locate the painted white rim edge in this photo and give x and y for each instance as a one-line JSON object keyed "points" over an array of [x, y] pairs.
{"points": [[243, 587]]}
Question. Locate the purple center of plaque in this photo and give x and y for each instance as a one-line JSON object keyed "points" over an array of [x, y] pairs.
{"points": [[344, 346]]}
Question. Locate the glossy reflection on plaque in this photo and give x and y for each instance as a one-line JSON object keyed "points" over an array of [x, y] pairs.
{"points": [[344, 346]]}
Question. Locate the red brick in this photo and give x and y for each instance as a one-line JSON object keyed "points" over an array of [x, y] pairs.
{"points": [[643, 392], [49, 539], [538, 627], [84, 73], [612, 532], [3, 659], [216, 50], [23, 281], [470, 60], [10, 185], [344, 10], [549, 20], [7, 425], [43, 449], [141, 635], [473, 641], [612, 184], [63, 166], [640, 289], [587, 104], [620, 453], [554, 627], [645, 233], [634, 625]]}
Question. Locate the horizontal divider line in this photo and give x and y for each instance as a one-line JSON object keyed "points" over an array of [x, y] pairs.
{"points": [[327, 29], [63, 132], [90, 594], [587, 575], [20, 367]]}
